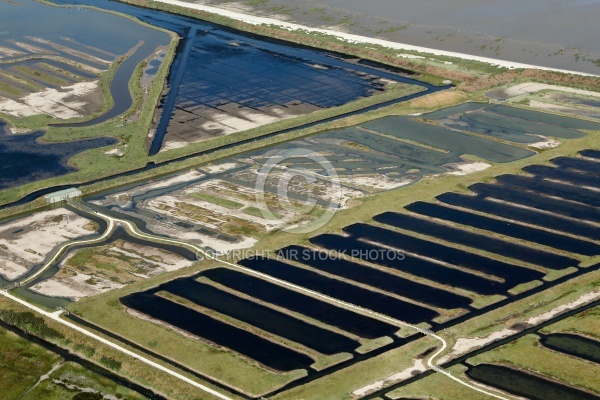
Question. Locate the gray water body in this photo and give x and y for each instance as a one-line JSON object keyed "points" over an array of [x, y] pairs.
{"points": [[553, 33], [28, 18]]}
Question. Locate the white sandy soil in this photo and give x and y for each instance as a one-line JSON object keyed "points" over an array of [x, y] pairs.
{"points": [[531, 87], [117, 198], [79, 286], [218, 168], [75, 287], [63, 104], [465, 345], [549, 143], [417, 368], [465, 169], [21, 250]]}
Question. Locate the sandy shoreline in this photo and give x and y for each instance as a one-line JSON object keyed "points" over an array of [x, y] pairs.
{"points": [[255, 20]]}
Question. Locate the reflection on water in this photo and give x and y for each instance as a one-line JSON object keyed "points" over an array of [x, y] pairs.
{"points": [[25, 159]]}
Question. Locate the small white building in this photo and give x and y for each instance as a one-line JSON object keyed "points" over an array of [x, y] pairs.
{"points": [[63, 195]]}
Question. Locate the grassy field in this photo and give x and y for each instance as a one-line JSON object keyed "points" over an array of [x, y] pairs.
{"points": [[130, 368], [586, 323], [106, 310], [220, 201], [30, 372], [341, 384], [41, 75], [21, 364], [438, 387], [72, 381], [528, 354]]}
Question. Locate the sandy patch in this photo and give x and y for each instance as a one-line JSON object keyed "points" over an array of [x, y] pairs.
{"points": [[31, 48], [150, 255], [465, 169], [117, 151], [465, 345], [75, 287], [64, 103], [174, 231], [8, 52], [118, 198], [11, 270], [417, 368], [376, 183], [27, 241], [531, 87], [218, 168], [69, 50], [406, 55], [546, 144], [586, 298], [141, 262]]}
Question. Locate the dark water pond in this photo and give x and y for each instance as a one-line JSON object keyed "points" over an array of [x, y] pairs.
{"points": [[537, 200], [410, 264], [591, 154], [573, 177], [325, 312], [341, 290], [574, 345], [568, 192], [26, 159], [505, 228], [374, 277], [482, 242], [512, 274], [525, 384], [265, 352], [262, 317], [578, 164], [552, 221]]}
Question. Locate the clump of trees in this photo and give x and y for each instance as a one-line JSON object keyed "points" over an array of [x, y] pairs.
{"points": [[30, 323]]}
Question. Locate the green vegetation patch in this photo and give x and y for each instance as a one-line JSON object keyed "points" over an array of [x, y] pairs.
{"points": [[220, 201], [438, 387], [72, 381], [528, 354], [30, 323], [21, 364], [586, 323], [41, 75]]}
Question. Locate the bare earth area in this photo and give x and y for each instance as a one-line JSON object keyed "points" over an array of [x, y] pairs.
{"points": [[27, 241], [67, 102], [91, 271]]}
